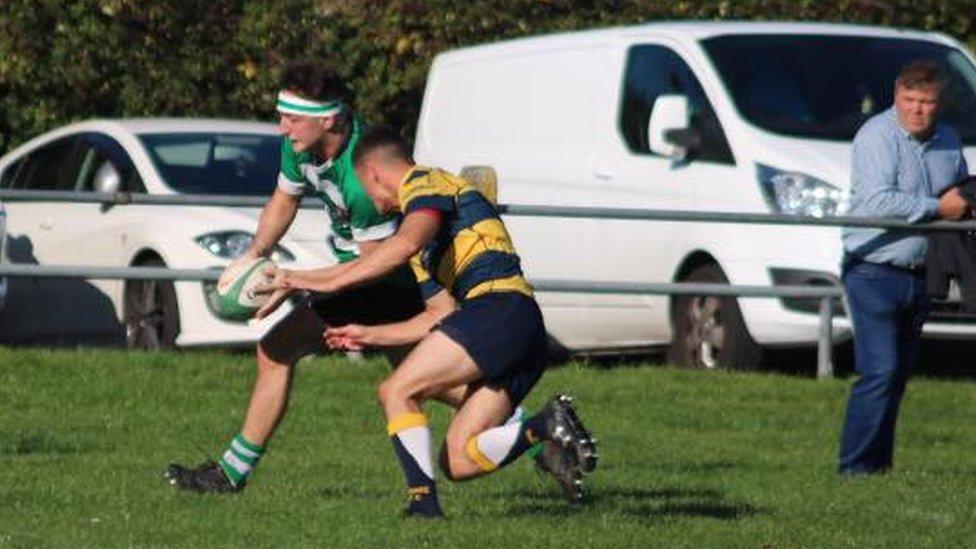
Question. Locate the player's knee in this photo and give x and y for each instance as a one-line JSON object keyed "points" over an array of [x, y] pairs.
{"points": [[456, 466], [271, 359], [455, 462], [389, 392]]}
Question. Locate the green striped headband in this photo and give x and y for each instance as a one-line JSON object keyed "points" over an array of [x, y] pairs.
{"points": [[292, 104]]}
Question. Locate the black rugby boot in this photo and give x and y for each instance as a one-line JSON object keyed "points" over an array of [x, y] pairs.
{"points": [[208, 477]]}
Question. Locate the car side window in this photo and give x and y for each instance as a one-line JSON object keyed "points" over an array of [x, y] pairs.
{"points": [[652, 71], [47, 168], [96, 152], [10, 173]]}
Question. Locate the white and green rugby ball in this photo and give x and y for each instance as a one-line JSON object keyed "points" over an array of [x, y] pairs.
{"points": [[236, 300]]}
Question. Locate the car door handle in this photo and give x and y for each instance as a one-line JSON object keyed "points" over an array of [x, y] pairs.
{"points": [[47, 225], [604, 174]]}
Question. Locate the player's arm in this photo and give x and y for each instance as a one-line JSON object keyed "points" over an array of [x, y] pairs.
{"points": [[279, 294], [416, 230], [276, 216], [355, 337], [366, 247]]}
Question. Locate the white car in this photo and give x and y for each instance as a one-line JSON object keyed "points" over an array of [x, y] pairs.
{"points": [[154, 156], [3, 245]]}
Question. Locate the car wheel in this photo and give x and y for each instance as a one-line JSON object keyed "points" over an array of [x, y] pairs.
{"points": [[709, 332], [152, 319]]}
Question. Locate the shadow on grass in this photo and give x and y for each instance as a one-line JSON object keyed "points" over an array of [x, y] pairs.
{"points": [[640, 503], [339, 492], [702, 467], [37, 443]]}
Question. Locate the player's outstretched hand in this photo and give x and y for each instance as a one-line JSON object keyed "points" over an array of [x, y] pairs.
{"points": [[351, 337], [278, 287], [232, 270]]}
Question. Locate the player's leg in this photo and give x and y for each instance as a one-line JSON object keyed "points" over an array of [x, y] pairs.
{"points": [[506, 337], [452, 397], [293, 337], [436, 365], [476, 444], [485, 408]]}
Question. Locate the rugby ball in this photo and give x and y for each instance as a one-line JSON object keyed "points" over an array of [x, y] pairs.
{"points": [[235, 300]]}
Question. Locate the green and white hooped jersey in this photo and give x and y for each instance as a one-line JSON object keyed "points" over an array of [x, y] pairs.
{"points": [[351, 211]]}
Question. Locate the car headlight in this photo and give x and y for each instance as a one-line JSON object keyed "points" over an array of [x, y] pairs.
{"points": [[232, 244], [800, 194]]}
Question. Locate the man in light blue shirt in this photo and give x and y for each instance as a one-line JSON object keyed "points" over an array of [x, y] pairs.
{"points": [[903, 162]]}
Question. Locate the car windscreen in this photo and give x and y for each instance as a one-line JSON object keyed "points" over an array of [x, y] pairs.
{"points": [[826, 86], [216, 163]]}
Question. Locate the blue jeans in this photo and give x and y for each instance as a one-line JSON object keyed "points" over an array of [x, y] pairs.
{"points": [[887, 307]]}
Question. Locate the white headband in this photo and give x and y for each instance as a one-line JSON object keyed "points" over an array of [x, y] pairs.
{"points": [[292, 104]]}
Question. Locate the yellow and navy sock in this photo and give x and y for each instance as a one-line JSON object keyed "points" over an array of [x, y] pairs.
{"points": [[412, 443], [499, 446], [239, 459]]}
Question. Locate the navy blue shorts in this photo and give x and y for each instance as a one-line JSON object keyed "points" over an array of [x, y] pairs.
{"points": [[505, 336]]}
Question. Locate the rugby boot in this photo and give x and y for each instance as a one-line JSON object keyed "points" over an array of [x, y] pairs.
{"points": [[561, 464], [208, 477], [565, 428]]}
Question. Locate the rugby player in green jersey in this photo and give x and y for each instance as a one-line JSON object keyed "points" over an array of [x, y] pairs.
{"points": [[492, 344], [319, 134]]}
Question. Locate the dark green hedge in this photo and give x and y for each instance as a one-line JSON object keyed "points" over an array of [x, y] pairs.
{"points": [[64, 60]]}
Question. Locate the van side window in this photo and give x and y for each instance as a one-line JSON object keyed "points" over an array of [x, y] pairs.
{"points": [[47, 168], [652, 71]]}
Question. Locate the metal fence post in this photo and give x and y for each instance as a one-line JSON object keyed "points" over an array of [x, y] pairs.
{"points": [[825, 362]]}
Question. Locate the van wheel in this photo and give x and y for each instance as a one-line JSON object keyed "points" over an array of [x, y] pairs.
{"points": [[152, 318], [709, 332]]}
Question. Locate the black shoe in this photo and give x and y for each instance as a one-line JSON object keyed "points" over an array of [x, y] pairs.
{"points": [[208, 477], [565, 428], [561, 464], [422, 503]]}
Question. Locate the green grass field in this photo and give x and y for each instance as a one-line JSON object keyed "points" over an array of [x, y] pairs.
{"points": [[688, 459]]}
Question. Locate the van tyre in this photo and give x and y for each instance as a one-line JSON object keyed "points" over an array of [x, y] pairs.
{"points": [[152, 318], [709, 332]]}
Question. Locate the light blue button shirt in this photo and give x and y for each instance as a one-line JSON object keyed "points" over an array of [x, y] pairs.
{"points": [[894, 175]]}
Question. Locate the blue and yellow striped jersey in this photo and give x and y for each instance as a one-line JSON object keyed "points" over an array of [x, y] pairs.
{"points": [[472, 254]]}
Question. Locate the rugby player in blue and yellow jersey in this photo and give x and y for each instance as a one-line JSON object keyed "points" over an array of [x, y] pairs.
{"points": [[491, 341]]}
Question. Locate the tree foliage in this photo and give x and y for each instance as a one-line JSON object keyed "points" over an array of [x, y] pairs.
{"points": [[65, 60]]}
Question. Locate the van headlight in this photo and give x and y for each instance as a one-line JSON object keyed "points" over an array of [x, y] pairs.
{"points": [[800, 194], [231, 244]]}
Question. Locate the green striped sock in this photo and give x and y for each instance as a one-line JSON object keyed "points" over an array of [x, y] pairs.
{"points": [[519, 415], [239, 459]]}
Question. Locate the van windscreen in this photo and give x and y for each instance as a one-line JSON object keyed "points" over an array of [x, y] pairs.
{"points": [[826, 86]]}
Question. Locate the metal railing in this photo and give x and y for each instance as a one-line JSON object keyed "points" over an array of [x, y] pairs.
{"points": [[825, 294]]}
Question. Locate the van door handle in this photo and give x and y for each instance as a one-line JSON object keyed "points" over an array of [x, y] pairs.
{"points": [[604, 174], [47, 225]]}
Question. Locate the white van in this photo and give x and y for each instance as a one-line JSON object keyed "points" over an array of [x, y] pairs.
{"points": [[723, 117]]}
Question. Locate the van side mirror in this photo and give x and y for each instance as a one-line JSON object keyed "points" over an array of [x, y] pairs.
{"points": [[670, 114], [106, 179], [484, 179]]}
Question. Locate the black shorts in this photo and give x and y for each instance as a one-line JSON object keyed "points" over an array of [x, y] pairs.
{"points": [[505, 336], [379, 303]]}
